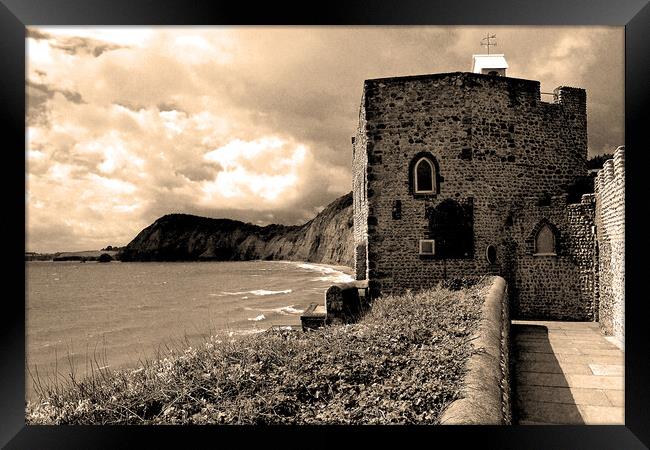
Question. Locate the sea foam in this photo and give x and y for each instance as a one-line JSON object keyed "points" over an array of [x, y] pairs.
{"points": [[283, 310], [329, 274], [259, 292]]}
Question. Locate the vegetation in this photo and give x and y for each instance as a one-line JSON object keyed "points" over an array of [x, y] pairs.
{"points": [[402, 363], [582, 185], [597, 161], [105, 257]]}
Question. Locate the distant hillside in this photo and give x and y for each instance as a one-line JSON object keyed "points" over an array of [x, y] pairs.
{"points": [[181, 237], [90, 255]]}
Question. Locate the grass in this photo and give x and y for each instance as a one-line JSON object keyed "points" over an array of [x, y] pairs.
{"points": [[402, 363]]}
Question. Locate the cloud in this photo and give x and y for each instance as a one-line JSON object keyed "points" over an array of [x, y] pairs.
{"points": [[203, 172], [73, 45], [35, 34], [38, 95], [269, 171], [251, 123]]}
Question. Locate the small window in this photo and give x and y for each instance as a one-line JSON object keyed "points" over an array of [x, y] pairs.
{"points": [[494, 73], [545, 241], [427, 247], [424, 177], [397, 209]]}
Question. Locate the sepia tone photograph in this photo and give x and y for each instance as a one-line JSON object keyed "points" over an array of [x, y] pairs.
{"points": [[325, 225]]}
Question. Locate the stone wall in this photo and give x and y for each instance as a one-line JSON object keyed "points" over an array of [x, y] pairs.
{"points": [[495, 142], [582, 246], [559, 286], [359, 191], [610, 228]]}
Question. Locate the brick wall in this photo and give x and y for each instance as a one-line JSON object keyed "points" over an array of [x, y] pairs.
{"points": [[610, 226], [495, 143]]}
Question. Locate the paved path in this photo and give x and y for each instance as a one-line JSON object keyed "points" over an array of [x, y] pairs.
{"points": [[566, 372]]}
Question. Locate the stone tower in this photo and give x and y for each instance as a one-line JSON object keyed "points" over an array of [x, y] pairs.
{"points": [[462, 174]]}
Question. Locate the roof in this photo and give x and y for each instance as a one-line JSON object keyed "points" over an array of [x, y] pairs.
{"points": [[520, 82], [433, 76], [495, 61]]}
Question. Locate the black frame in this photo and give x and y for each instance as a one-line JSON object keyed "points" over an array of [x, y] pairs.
{"points": [[633, 14]]}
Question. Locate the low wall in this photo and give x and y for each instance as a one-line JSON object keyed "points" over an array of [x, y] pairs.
{"points": [[346, 302], [486, 391]]}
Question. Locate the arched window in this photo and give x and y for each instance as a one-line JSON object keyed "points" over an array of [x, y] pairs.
{"points": [[424, 176], [545, 241]]}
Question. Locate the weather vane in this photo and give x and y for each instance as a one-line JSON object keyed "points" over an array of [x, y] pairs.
{"points": [[487, 43]]}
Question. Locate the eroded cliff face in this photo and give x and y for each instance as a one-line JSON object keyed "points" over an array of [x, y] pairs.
{"points": [[181, 237]]}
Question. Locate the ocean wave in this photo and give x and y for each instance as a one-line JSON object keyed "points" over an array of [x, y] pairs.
{"points": [[259, 292], [341, 278], [283, 310], [265, 292], [330, 274], [258, 318], [245, 332], [292, 310]]}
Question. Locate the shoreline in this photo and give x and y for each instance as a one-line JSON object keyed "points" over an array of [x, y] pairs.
{"points": [[123, 356]]}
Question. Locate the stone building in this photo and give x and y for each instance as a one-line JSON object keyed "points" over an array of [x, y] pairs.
{"points": [[462, 174]]}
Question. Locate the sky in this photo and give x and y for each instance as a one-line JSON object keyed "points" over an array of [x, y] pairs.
{"points": [[126, 124]]}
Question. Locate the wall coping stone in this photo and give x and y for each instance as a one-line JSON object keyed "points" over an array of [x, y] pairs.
{"points": [[482, 401], [434, 76]]}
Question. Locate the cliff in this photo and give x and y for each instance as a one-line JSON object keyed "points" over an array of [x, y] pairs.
{"points": [[181, 237]]}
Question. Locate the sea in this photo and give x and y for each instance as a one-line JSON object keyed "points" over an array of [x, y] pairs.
{"points": [[81, 316]]}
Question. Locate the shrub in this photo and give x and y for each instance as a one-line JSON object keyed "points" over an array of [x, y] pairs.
{"points": [[105, 257]]}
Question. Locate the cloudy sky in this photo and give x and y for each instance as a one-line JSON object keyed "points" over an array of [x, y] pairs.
{"points": [[253, 123]]}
